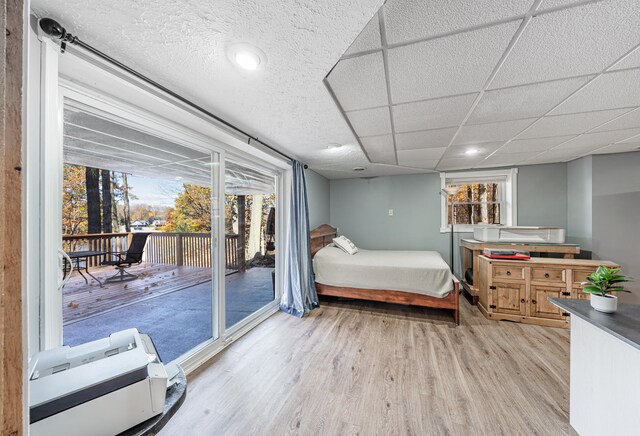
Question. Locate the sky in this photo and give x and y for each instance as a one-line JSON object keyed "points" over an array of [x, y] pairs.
{"points": [[156, 192]]}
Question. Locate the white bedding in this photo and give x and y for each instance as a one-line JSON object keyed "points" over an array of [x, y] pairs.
{"points": [[420, 272]]}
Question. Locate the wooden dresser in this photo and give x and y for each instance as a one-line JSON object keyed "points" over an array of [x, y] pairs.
{"points": [[518, 290], [471, 249]]}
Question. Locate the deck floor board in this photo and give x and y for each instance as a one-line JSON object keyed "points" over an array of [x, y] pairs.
{"points": [[82, 300]]}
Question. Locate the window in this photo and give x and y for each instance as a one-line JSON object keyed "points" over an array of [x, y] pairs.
{"points": [[483, 198]]}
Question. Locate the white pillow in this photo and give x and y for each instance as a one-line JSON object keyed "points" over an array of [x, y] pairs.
{"points": [[345, 244]]}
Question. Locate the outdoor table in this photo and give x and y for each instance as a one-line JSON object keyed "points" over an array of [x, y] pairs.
{"points": [[77, 257]]}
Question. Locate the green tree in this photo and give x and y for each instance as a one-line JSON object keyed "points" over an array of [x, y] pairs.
{"points": [[74, 201], [192, 212]]}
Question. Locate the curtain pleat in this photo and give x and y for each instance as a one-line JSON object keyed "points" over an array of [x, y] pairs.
{"points": [[299, 294]]}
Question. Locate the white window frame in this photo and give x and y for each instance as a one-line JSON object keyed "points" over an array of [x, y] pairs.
{"points": [[508, 180], [162, 114]]}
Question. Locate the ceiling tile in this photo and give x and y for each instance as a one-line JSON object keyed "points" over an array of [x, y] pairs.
{"points": [[570, 124], [432, 114], [629, 120], [524, 101], [506, 159], [452, 65], [631, 61], [481, 150], [591, 141], [408, 20], [555, 156], [382, 157], [632, 139], [534, 144], [359, 83], [368, 39], [406, 157], [370, 122], [457, 164], [619, 148], [501, 131], [572, 42], [551, 4], [378, 144], [618, 89], [429, 164], [425, 139]]}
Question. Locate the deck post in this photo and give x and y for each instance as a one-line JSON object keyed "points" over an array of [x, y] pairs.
{"points": [[179, 251], [242, 228]]}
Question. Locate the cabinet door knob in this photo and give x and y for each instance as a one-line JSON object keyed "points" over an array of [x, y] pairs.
{"points": [[522, 300], [533, 301], [508, 273], [546, 276]]}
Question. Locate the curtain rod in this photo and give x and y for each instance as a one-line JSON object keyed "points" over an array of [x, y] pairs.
{"points": [[55, 30]]}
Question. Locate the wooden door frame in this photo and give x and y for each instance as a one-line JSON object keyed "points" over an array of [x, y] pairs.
{"points": [[12, 347]]}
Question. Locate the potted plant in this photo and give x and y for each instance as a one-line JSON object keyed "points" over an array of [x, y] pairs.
{"points": [[600, 284]]}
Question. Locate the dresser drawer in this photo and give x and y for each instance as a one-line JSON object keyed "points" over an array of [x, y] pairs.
{"points": [[548, 275], [580, 275], [508, 272], [581, 295]]}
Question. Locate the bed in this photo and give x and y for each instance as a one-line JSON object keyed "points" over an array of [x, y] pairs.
{"points": [[416, 278]]}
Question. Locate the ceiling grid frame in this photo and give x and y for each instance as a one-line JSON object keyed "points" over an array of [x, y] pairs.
{"points": [[385, 59], [525, 22], [586, 84], [536, 9]]}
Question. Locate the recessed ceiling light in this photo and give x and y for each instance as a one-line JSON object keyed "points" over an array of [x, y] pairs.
{"points": [[247, 57], [247, 60], [358, 169], [471, 151]]}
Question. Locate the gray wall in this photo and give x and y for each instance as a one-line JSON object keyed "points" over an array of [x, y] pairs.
{"points": [[359, 208], [318, 195], [542, 195], [616, 215], [579, 201]]}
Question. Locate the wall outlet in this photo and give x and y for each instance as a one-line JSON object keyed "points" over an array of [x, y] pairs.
{"points": [[390, 212]]}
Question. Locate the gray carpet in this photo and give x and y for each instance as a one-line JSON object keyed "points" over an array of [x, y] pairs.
{"points": [[179, 321]]}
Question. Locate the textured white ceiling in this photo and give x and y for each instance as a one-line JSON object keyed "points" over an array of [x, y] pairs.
{"points": [[183, 44], [518, 81], [416, 75]]}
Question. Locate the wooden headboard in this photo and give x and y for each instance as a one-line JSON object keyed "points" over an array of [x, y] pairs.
{"points": [[322, 236]]}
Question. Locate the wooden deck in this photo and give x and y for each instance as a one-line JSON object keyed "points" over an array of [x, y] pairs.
{"points": [[82, 300]]}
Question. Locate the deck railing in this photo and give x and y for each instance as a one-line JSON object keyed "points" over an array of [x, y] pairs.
{"points": [[182, 249]]}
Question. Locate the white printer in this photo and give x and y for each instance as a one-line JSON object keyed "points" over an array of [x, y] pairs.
{"points": [[99, 388]]}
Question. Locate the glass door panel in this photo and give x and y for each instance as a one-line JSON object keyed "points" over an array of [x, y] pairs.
{"points": [[250, 223], [138, 218]]}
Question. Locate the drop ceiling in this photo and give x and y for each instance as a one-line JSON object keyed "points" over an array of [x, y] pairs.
{"points": [[405, 87], [517, 82]]}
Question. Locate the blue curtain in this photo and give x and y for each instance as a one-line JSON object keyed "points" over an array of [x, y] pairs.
{"points": [[299, 294]]}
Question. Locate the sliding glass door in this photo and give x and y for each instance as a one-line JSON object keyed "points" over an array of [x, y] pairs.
{"points": [[139, 232], [250, 234], [150, 218]]}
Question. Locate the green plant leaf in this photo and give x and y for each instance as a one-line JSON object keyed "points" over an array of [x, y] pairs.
{"points": [[592, 290]]}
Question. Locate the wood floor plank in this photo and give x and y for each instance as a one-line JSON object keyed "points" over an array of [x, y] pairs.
{"points": [[372, 368]]}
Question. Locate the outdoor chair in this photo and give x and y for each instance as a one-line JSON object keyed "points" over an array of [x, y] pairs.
{"points": [[122, 261]]}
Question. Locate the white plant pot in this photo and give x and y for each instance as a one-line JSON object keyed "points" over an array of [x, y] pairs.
{"points": [[608, 304]]}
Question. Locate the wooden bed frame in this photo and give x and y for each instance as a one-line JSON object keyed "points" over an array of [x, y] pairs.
{"points": [[323, 235]]}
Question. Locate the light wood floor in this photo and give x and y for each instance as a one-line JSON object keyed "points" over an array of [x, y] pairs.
{"points": [[376, 369]]}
